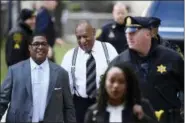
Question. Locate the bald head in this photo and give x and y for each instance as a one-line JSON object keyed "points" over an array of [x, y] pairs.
{"points": [[85, 35], [119, 12], [85, 24], [120, 5]]}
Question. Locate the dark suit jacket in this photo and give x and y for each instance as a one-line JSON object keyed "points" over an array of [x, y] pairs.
{"points": [[44, 24], [95, 116], [17, 89]]}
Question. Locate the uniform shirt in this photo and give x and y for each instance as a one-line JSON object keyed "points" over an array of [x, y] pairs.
{"points": [[114, 33], [80, 68], [115, 113], [39, 88]]}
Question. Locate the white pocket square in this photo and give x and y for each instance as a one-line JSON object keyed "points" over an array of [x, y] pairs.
{"points": [[57, 88]]}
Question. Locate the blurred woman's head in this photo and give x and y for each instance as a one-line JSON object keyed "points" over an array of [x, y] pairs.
{"points": [[118, 85]]}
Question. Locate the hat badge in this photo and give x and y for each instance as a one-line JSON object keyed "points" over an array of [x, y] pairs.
{"points": [[128, 22]]}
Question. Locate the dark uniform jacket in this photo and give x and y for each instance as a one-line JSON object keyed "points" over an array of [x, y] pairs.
{"points": [[44, 24], [16, 48], [161, 75], [95, 116], [114, 34], [168, 44]]}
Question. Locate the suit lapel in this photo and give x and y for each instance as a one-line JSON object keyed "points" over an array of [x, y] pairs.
{"points": [[27, 77], [52, 80]]}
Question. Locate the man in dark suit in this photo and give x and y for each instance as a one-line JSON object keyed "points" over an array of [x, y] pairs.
{"points": [[45, 24], [37, 89]]}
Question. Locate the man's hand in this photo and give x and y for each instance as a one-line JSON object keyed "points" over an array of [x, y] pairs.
{"points": [[138, 111]]}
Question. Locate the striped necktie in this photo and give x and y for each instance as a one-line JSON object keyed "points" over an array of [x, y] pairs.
{"points": [[91, 77]]}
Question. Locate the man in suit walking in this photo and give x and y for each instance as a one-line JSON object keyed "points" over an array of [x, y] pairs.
{"points": [[37, 89]]}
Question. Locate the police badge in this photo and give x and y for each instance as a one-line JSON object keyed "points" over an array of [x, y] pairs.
{"points": [[111, 34], [161, 69], [128, 21], [17, 37]]}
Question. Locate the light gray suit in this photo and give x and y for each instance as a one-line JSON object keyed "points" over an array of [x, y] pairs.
{"points": [[17, 89]]}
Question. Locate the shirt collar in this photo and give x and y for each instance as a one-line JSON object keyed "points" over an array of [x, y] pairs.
{"points": [[111, 107], [35, 65]]}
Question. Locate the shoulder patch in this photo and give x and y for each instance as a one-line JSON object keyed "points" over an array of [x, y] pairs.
{"points": [[17, 37], [98, 33]]}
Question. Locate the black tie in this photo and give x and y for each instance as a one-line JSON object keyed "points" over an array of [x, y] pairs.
{"points": [[91, 77], [144, 68]]}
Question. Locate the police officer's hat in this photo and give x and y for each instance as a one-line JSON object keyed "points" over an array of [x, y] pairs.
{"points": [[155, 22], [26, 14], [135, 23]]}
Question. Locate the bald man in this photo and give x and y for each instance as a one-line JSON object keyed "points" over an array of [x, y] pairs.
{"points": [[113, 32], [85, 64]]}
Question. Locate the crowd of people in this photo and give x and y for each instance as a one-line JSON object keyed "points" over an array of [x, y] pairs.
{"points": [[123, 72]]}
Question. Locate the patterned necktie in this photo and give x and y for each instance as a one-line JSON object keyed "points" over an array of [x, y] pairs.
{"points": [[91, 77]]}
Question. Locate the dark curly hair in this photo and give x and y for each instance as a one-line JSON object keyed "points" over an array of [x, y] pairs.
{"points": [[133, 92], [36, 33]]}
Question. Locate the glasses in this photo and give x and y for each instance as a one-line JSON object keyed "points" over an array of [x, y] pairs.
{"points": [[43, 44]]}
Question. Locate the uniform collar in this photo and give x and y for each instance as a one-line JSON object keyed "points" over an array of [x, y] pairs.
{"points": [[116, 25], [25, 26]]}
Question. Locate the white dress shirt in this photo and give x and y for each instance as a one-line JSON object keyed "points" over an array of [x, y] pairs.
{"points": [[115, 113], [40, 83], [80, 68]]}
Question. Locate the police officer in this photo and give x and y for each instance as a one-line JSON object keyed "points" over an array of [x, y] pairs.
{"points": [[155, 29], [113, 32], [160, 69], [17, 41]]}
